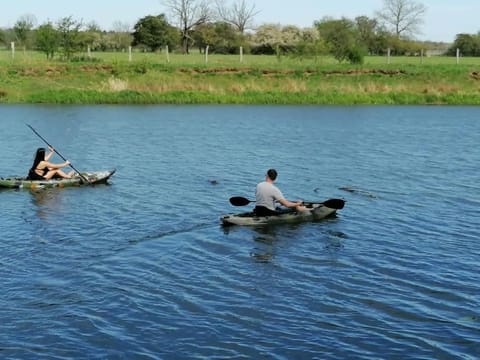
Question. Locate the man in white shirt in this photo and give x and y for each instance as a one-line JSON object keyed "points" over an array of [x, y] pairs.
{"points": [[267, 194]]}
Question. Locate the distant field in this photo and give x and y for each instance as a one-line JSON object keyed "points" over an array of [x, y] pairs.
{"points": [[191, 79], [32, 57]]}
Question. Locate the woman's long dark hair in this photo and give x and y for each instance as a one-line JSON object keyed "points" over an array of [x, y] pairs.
{"points": [[39, 156]]}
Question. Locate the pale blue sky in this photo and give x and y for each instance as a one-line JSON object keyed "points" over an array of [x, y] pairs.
{"points": [[444, 19]]}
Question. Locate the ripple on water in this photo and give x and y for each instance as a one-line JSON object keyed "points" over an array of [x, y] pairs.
{"points": [[142, 268]]}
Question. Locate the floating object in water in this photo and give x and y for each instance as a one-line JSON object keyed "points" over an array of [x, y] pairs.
{"points": [[358, 191]]}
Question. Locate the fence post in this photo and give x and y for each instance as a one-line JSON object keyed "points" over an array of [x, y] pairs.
{"points": [[458, 56], [168, 55], [12, 45], [130, 53], [206, 54], [241, 54], [388, 56]]}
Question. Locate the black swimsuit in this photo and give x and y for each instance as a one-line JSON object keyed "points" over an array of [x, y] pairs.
{"points": [[32, 174]]}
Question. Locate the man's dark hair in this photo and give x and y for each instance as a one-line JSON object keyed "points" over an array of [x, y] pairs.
{"points": [[272, 174]]}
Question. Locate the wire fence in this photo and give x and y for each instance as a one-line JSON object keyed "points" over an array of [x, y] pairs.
{"points": [[197, 58]]}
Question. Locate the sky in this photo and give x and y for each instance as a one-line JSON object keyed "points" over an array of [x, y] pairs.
{"points": [[443, 21]]}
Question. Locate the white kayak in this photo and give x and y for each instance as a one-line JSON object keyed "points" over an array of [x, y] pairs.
{"points": [[314, 211]]}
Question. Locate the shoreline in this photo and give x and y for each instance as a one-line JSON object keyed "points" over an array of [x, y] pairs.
{"points": [[153, 83]]}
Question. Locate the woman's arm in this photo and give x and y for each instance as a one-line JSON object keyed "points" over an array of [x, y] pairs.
{"points": [[47, 157]]}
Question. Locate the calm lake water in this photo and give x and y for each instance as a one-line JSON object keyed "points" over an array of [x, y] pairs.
{"points": [[142, 269]]}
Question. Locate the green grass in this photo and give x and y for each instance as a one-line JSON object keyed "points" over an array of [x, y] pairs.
{"points": [[196, 59], [187, 79]]}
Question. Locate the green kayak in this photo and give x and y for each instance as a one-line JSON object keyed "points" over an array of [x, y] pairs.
{"points": [[94, 178], [314, 211]]}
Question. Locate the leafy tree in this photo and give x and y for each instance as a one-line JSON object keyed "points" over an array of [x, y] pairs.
{"points": [[221, 37], [380, 43], [69, 36], [91, 36], [290, 35], [404, 17], [276, 39], [311, 45], [367, 32], [372, 36], [267, 39], [7, 36], [154, 32], [47, 39], [204, 35], [189, 14], [469, 45], [23, 28], [341, 38]]}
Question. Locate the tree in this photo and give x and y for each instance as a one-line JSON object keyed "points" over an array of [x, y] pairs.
{"points": [[47, 39], [204, 35], [189, 14], [122, 36], [373, 36], [341, 38], [311, 45], [403, 16], [267, 39], [221, 37], [69, 40], [23, 27], [239, 14], [91, 36], [469, 45], [154, 32]]}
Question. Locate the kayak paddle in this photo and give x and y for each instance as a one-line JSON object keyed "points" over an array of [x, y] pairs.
{"points": [[50, 146], [240, 201], [331, 203]]}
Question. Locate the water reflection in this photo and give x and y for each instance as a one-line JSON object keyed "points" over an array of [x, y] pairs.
{"points": [[335, 241], [267, 238], [46, 200], [264, 238]]}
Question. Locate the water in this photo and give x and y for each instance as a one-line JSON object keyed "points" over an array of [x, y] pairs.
{"points": [[143, 269]]}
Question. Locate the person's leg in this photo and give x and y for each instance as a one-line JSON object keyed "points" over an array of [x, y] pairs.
{"points": [[58, 172], [264, 211]]}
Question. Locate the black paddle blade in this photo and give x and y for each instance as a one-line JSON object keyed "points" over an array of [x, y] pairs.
{"points": [[334, 203], [239, 201]]}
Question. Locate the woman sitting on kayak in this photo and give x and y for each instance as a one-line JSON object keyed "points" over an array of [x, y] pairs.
{"points": [[42, 169], [267, 194]]}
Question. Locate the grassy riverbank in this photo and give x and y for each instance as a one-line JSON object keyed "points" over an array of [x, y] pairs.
{"points": [[151, 79]]}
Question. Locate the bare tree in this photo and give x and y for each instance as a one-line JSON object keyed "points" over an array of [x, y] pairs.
{"points": [[188, 14], [122, 34], [239, 14], [404, 16]]}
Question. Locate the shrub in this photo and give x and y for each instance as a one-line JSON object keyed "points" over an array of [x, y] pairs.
{"points": [[356, 56]]}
